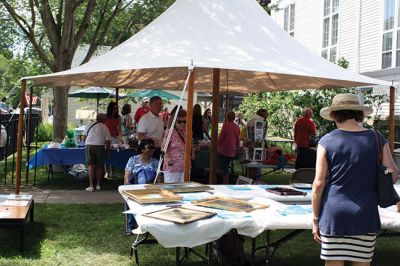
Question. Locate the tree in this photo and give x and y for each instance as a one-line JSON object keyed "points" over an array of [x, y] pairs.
{"points": [[285, 107], [56, 28]]}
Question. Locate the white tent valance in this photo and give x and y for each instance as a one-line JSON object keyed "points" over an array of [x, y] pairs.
{"points": [[236, 36]]}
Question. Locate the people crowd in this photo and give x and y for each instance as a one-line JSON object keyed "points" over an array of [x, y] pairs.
{"points": [[346, 219]]}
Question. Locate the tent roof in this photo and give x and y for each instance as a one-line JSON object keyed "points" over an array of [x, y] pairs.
{"points": [[237, 36]]}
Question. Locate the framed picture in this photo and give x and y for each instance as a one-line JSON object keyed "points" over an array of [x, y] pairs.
{"points": [[180, 215], [242, 180], [144, 196], [259, 130], [283, 191], [229, 204], [181, 187], [258, 154]]}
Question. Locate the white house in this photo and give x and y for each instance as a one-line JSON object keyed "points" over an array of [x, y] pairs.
{"points": [[364, 32]]}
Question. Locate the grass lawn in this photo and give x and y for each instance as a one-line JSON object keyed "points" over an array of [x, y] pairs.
{"points": [[94, 235]]}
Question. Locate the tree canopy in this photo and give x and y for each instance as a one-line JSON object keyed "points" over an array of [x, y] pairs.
{"points": [[51, 31]]}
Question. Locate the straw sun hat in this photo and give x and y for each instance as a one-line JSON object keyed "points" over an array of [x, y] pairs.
{"points": [[346, 101]]}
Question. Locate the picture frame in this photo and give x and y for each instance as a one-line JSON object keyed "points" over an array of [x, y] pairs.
{"points": [[229, 204], [182, 187], [180, 215], [242, 180], [259, 127], [283, 191], [258, 154], [147, 196]]}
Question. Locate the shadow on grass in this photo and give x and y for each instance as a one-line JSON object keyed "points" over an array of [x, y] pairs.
{"points": [[9, 241]]}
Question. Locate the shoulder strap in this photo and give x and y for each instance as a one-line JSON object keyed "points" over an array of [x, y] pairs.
{"points": [[179, 134], [87, 133], [378, 139]]}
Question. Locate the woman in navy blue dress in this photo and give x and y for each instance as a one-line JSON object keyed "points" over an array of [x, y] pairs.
{"points": [[346, 218]]}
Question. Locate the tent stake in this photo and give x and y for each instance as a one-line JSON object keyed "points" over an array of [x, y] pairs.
{"points": [[214, 127], [19, 140], [189, 122]]}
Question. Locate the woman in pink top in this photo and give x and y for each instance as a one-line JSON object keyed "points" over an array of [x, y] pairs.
{"points": [[174, 157], [228, 145]]}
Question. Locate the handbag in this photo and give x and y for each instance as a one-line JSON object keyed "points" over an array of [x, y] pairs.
{"points": [[387, 195]]}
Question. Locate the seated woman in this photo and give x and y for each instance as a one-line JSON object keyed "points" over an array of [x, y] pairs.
{"points": [[140, 169]]}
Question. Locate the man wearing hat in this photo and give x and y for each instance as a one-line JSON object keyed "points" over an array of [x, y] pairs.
{"points": [[346, 218], [144, 109]]}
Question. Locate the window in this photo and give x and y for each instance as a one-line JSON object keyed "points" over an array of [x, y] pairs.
{"points": [[289, 18], [391, 34], [330, 30]]}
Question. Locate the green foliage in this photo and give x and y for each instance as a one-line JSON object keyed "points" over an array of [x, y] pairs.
{"points": [[44, 132], [286, 107]]}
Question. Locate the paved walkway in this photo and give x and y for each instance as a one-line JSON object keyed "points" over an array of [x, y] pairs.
{"points": [[70, 196]]}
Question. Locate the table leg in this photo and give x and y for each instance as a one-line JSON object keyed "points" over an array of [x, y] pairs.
{"points": [[32, 211], [21, 238], [178, 256], [267, 247], [253, 251]]}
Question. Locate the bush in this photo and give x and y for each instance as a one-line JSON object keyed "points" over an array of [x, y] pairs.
{"points": [[45, 132]]}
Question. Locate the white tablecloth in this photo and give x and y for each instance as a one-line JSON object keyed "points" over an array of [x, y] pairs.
{"points": [[170, 235]]}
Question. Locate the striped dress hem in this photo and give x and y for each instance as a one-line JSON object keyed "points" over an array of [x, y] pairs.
{"points": [[358, 248]]}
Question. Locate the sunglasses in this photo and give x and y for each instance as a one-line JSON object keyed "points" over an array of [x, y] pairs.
{"points": [[150, 147], [181, 122]]}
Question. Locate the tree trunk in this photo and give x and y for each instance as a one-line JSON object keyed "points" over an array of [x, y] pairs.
{"points": [[60, 112]]}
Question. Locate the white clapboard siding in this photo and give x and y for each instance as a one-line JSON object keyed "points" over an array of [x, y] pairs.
{"points": [[309, 22], [309, 34], [348, 30], [371, 34]]}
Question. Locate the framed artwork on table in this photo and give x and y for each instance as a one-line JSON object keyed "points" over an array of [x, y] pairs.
{"points": [[258, 154], [181, 187], [228, 204], [180, 215], [145, 196]]}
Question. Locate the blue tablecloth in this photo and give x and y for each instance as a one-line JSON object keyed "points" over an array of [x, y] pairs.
{"points": [[71, 156]]}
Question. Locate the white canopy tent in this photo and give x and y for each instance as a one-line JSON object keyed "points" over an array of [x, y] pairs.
{"points": [[230, 43], [233, 35]]}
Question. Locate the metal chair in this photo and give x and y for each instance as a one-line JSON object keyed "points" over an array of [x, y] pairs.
{"points": [[303, 175]]}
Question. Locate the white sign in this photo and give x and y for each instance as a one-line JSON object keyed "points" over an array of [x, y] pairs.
{"points": [[384, 90]]}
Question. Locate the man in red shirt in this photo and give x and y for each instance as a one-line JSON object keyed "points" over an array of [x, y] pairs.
{"points": [[144, 109], [303, 129]]}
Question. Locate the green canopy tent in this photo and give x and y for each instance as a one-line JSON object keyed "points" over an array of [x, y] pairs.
{"points": [[150, 93], [95, 93]]}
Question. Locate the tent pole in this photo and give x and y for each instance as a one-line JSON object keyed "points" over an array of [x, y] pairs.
{"points": [[391, 118], [116, 95], [97, 104], [214, 127], [19, 139], [28, 134], [189, 122]]}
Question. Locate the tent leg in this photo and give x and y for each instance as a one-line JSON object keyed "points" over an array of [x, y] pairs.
{"points": [[214, 127], [19, 139], [189, 120]]}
